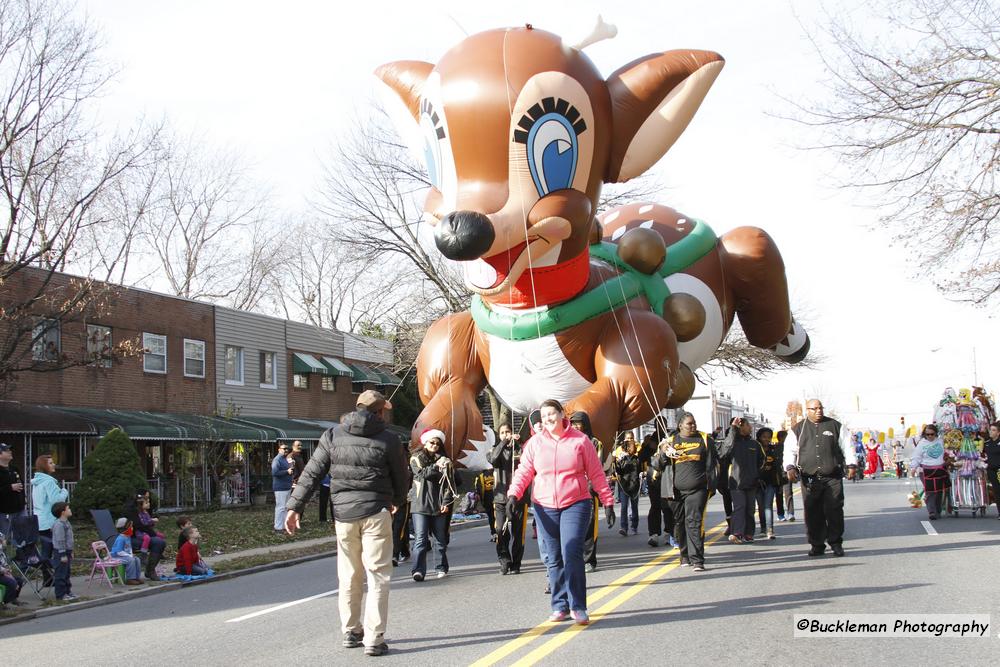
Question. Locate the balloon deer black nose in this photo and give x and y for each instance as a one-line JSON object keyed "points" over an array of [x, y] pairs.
{"points": [[464, 235]]}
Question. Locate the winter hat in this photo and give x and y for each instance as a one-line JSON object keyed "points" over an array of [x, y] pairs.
{"points": [[121, 523], [429, 433]]}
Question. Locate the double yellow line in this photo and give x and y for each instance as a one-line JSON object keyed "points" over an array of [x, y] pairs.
{"points": [[649, 572]]}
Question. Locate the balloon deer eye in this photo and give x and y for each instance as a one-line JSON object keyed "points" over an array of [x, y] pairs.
{"points": [[433, 131], [549, 130]]}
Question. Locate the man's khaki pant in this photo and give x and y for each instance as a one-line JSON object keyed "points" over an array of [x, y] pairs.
{"points": [[365, 547]]}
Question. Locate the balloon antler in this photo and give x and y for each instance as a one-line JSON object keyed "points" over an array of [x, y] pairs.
{"points": [[600, 32]]}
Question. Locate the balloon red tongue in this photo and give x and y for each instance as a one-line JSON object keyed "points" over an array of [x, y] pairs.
{"points": [[500, 263]]}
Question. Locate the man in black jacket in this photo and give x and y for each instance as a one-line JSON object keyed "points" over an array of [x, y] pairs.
{"points": [[746, 458], [368, 482], [11, 490], [818, 450], [511, 527]]}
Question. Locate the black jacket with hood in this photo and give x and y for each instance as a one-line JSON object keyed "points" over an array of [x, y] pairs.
{"points": [[607, 460], [746, 456], [367, 467], [432, 487]]}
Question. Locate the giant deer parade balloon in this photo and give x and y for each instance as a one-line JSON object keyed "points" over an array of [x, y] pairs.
{"points": [[609, 313]]}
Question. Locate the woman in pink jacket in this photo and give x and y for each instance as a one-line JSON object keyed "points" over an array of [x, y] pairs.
{"points": [[561, 460]]}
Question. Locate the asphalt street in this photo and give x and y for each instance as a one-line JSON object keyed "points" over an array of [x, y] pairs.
{"points": [[645, 607]]}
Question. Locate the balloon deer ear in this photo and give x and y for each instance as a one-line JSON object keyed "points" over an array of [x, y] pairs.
{"points": [[652, 101], [406, 78]]}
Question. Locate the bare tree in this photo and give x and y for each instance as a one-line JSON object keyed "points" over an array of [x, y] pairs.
{"points": [[57, 182], [370, 195], [208, 226], [737, 357], [916, 120]]}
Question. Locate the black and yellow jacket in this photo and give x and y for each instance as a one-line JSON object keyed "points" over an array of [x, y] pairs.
{"points": [[665, 470]]}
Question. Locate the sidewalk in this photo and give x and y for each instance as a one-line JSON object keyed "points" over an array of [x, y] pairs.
{"points": [[100, 594]]}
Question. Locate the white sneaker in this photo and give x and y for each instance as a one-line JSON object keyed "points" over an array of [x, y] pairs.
{"points": [[441, 574]]}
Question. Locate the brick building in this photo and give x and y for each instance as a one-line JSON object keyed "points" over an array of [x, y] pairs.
{"points": [[206, 399]]}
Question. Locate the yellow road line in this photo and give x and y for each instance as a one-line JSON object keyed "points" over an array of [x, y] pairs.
{"points": [[529, 636], [620, 599]]}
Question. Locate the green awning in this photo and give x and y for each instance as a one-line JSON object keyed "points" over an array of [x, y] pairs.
{"points": [[336, 366], [387, 378], [364, 374], [141, 425], [287, 429], [306, 363]]}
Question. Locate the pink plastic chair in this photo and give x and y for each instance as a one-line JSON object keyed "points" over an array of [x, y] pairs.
{"points": [[105, 563]]}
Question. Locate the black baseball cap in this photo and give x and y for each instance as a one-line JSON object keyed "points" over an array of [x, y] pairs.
{"points": [[4, 447]]}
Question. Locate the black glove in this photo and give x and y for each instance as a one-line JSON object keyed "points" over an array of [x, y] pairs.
{"points": [[609, 514], [514, 505]]}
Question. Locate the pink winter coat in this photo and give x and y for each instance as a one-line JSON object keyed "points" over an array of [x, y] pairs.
{"points": [[560, 469]]}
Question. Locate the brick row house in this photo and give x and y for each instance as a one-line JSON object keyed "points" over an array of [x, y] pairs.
{"points": [[206, 399]]}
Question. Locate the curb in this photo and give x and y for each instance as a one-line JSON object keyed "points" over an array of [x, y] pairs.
{"points": [[46, 612]]}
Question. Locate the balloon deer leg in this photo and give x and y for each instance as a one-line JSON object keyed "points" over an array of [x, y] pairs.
{"points": [[755, 276], [626, 388], [451, 376]]}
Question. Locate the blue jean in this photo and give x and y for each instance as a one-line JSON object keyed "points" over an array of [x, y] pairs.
{"points": [[62, 582], [765, 507], [630, 510], [423, 526], [562, 533]]}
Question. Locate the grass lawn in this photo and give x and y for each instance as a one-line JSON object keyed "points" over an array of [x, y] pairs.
{"points": [[222, 530]]}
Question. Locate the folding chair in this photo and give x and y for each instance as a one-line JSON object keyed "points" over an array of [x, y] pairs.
{"points": [[105, 563], [105, 525], [27, 563]]}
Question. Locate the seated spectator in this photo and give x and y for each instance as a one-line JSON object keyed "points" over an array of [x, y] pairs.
{"points": [[182, 523], [145, 537], [122, 550], [12, 585], [188, 559]]}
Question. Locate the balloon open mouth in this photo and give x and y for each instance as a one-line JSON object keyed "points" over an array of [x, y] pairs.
{"points": [[490, 273]]}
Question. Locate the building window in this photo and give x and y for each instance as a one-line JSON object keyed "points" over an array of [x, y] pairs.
{"points": [[99, 345], [267, 371], [194, 358], [300, 380], [154, 360], [328, 383], [45, 337], [234, 365]]}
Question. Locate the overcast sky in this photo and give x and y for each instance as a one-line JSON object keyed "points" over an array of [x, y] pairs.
{"points": [[279, 81]]}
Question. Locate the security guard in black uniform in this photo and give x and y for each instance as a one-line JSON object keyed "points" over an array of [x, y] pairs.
{"points": [[820, 448], [511, 527]]}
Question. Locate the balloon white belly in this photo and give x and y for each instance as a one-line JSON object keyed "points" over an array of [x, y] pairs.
{"points": [[526, 372]]}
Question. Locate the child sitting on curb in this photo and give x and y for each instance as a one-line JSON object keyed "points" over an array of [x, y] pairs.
{"points": [[122, 550], [189, 560]]}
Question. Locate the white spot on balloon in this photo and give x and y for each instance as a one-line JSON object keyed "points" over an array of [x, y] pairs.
{"points": [[648, 224], [645, 209], [617, 234]]}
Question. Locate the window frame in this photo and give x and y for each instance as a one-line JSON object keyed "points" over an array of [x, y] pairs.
{"points": [[333, 383], [40, 344], [163, 337], [100, 358], [203, 359], [274, 369], [305, 380], [242, 365]]}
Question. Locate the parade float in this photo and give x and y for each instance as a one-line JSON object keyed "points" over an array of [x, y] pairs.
{"points": [[609, 312], [963, 418]]}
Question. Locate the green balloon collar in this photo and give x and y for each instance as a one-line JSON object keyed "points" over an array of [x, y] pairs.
{"points": [[601, 299]]}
